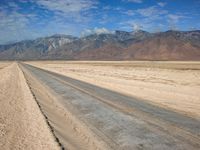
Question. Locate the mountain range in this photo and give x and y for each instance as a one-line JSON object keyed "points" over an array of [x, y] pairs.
{"points": [[119, 45]]}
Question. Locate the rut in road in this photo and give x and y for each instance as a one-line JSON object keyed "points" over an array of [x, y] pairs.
{"points": [[127, 122]]}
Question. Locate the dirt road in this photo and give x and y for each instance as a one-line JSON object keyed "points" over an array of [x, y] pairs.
{"points": [[171, 85], [85, 116]]}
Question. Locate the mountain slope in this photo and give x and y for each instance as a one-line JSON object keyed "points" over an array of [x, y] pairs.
{"points": [[170, 45], [121, 45], [34, 49], [163, 48]]}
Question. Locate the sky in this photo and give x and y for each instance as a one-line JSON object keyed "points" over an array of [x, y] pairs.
{"points": [[29, 19]]}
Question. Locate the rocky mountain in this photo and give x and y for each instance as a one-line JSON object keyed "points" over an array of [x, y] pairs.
{"points": [[34, 49], [170, 45], [120, 45], [166, 46]]}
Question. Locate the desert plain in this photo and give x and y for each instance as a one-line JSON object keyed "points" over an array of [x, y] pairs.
{"points": [[100, 105]]}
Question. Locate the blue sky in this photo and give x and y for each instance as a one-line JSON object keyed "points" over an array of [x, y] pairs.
{"points": [[28, 19]]}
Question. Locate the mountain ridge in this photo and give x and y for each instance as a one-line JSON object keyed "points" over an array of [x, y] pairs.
{"points": [[119, 45]]}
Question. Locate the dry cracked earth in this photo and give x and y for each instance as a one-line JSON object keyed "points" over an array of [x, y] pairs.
{"points": [[100, 105]]}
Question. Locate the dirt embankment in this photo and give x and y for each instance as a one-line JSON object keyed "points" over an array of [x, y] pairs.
{"points": [[172, 85], [22, 125]]}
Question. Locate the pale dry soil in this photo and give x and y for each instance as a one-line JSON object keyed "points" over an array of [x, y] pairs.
{"points": [[4, 64], [22, 125], [172, 85], [102, 119]]}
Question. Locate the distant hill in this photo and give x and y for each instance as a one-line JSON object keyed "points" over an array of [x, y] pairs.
{"points": [[121, 45]]}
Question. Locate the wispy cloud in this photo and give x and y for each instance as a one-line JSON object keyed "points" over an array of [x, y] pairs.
{"points": [[151, 11], [134, 1], [148, 19], [26, 19], [96, 31], [67, 6], [162, 4], [175, 18], [155, 19], [136, 24], [136, 27], [128, 12], [65, 15], [76, 10], [14, 25]]}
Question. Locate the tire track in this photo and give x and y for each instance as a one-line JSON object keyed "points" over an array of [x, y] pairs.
{"points": [[155, 123], [75, 124], [158, 123]]}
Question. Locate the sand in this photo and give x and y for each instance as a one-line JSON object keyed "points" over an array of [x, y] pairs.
{"points": [[22, 126], [172, 85], [4, 64]]}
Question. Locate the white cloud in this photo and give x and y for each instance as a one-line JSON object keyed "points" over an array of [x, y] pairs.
{"points": [[136, 27], [13, 5], [161, 4], [145, 23], [102, 31], [73, 10], [104, 19], [151, 11], [69, 17], [128, 12], [67, 6], [96, 31], [134, 1], [154, 19], [175, 18], [107, 8], [14, 25]]}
